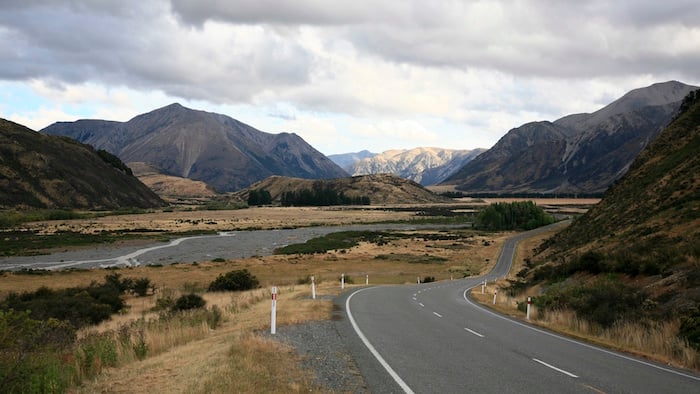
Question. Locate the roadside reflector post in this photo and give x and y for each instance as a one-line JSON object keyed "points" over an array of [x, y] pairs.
{"points": [[483, 286], [273, 313], [367, 279], [529, 300], [313, 288], [494, 296], [418, 280], [342, 281]]}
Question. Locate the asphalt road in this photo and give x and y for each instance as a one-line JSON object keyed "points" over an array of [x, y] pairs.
{"points": [[431, 338]]}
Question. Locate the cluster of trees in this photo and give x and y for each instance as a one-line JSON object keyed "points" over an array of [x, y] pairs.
{"points": [[321, 196], [259, 197], [519, 215]]}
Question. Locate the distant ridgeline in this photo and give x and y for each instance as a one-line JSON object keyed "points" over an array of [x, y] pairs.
{"points": [[458, 194]]}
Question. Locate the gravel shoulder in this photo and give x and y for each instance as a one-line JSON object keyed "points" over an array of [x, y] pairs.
{"points": [[324, 351]]}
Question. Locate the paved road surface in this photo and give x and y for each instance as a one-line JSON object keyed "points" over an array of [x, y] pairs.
{"points": [[431, 338]]}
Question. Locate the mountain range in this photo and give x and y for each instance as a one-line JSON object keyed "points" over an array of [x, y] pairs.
{"points": [[427, 166], [216, 149], [41, 171], [581, 153]]}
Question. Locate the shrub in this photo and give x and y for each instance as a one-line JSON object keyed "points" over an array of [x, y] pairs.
{"points": [[214, 317], [31, 352], [187, 302], [690, 328], [141, 286], [237, 280], [429, 279]]}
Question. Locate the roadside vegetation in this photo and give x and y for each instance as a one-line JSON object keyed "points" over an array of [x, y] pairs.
{"points": [[595, 297]]}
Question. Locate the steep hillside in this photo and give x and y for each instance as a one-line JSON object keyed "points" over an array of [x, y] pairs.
{"points": [[216, 149], [381, 188], [426, 166], [642, 239], [43, 171], [581, 153]]}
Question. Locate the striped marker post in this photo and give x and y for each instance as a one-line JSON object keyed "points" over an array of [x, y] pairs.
{"points": [[313, 288], [529, 301], [273, 313]]}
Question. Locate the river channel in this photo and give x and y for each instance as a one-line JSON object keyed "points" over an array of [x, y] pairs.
{"points": [[226, 245]]}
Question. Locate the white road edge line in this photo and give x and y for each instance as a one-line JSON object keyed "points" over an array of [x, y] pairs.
{"points": [[555, 368], [474, 332], [371, 348], [437, 314], [622, 356]]}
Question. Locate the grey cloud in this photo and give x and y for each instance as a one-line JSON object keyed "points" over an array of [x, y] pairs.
{"points": [[137, 45]]}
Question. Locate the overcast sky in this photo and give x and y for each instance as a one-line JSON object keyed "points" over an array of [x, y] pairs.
{"points": [[344, 75]]}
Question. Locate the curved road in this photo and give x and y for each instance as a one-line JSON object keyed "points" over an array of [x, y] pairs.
{"points": [[432, 339]]}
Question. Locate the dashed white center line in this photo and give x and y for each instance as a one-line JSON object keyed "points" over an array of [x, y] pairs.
{"points": [[555, 368], [437, 314], [473, 332], [421, 304]]}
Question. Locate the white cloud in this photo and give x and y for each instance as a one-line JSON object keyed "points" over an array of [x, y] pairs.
{"points": [[361, 74]]}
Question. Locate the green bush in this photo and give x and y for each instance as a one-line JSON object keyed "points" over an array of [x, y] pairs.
{"points": [[187, 302], [80, 306], [31, 352], [237, 280], [141, 286]]}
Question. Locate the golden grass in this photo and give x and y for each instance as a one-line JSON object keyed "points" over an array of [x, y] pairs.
{"points": [[232, 358]]}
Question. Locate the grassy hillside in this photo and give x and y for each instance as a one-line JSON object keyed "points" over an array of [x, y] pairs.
{"points": [[41, 171]]}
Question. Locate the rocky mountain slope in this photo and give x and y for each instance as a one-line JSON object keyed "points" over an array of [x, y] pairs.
{"points": [[346, 159], [582, 153], [216, 149], [380, 188], [43, 171], [427, 166]]}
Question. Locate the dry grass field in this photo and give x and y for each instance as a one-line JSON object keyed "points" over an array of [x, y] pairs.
{"points": [[195, 358], [225, 220]]}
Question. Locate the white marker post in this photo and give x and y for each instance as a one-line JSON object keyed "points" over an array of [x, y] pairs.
{"points": [[418, 280], [273, 314], [367, 279], [529, 300], [483, 286], [494, 296], [342, 281], [313, 288]]}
